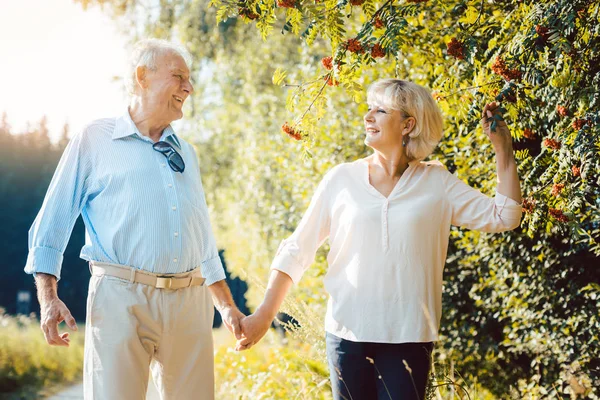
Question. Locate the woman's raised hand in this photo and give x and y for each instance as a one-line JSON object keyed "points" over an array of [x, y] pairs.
{"points": [[495, 127]]}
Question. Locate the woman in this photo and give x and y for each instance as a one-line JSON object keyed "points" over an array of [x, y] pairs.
{"points": [[388, 218]]}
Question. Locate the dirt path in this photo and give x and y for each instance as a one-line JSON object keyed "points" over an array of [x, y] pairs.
{"points": [[75, 392]]}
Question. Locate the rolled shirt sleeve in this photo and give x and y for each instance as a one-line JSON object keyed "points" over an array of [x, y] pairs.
{"points": [[212, 267], [297, 253], [474, 210], [66, 195], [212, 270]]}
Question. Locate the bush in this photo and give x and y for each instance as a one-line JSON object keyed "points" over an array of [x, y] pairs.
{"points": [[28, 363]]}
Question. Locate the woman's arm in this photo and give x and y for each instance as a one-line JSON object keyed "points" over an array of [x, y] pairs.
{"points": [[293, 257], [256, 325], [471, 208], [506, 167]]}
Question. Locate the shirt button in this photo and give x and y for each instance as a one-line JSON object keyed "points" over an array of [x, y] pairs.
{"points": [[173, 208], [176, 234], [170, 185], [174, 260], [163, 165]]}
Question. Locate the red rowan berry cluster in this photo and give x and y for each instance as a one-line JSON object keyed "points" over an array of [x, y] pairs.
{"points": [[456, 49], [499, 67], [354, 46], [557, 189], [286, 3], [528, 205], [528, 133], [291, 132], [378, 23], [246, 12], [562, 111], [552, 144], [578, 123], [327, 63], [377, 51], [558, 215], [331, 81], [542, 31], [576, 170]]}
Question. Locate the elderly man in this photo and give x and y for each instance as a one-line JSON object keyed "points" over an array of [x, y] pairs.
{"points": [[149, 243]]}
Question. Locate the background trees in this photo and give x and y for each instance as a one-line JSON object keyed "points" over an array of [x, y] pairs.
{"points": [[521, 307]]}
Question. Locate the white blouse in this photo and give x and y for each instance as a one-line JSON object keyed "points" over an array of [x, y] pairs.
{"points": [[387, 255]]}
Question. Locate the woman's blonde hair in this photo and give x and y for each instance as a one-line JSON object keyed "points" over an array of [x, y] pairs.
{"points": [[415, 101]]}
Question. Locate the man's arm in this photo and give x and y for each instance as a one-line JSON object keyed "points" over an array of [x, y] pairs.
{"points": [[50, 232], [52, 311], [64, 200], [226, 306]]}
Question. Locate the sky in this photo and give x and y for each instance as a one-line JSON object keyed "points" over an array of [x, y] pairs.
{"points": [[60, 61]]}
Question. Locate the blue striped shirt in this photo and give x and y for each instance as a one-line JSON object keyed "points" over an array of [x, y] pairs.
{"points": [[137, 211]]}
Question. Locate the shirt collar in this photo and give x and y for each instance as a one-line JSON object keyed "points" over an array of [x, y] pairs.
{"points": [[125, 127]]}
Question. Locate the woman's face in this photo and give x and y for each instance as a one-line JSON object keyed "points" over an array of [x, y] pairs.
{"points": [[383, 127]]}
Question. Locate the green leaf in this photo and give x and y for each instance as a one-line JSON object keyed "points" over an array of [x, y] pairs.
{"points": [[279, 77]]}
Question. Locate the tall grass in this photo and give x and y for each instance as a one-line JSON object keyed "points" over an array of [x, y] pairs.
{"points": [[295, 368], [276, 368], [28, 363]]}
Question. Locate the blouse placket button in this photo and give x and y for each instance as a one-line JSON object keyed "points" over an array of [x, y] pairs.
{"points": [[385, 228]]}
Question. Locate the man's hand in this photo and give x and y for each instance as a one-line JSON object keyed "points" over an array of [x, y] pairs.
{"points": [[254, 327], [52, 311], [224, 303], [231, 318]]}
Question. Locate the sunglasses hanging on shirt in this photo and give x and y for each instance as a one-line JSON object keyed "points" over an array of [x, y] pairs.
{"points": [[175, 160]]}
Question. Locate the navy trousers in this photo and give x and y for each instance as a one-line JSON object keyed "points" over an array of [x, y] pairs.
{"points": [[355, 377]]}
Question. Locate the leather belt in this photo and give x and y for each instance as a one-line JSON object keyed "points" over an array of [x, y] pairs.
{"points": [[133, 275]]}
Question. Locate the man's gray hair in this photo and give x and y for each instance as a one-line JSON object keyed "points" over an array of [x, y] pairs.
{"points": [[146, 53]]}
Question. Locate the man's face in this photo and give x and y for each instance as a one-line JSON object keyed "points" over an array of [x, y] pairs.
{"points": [[168, 87]]}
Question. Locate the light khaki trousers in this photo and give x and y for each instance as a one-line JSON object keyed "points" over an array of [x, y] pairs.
{"points": [[132, 328]]}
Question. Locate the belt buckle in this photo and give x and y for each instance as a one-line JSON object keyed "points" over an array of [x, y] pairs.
{"points": [[163, 283]]}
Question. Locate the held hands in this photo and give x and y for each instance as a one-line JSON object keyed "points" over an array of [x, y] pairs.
{"points": [[254, 327], [53, 311], [495, 127]]}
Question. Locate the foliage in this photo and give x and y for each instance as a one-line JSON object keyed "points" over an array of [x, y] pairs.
{"points": [[28, 362], [521, 308]]}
